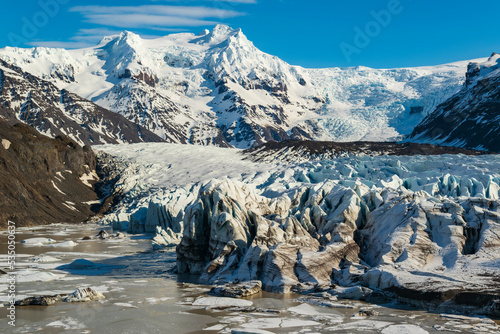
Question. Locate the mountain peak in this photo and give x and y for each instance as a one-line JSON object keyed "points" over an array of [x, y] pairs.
{"points": [[478, 71], [494, 58], [129, 38], [125, 37], [123, 53], [219, 34], [222, 29], [106, 39], [204, 32]]}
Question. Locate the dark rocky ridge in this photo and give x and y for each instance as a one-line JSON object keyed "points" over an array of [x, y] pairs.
{"points": [[321, 150], [30, 165], [471, 118]]}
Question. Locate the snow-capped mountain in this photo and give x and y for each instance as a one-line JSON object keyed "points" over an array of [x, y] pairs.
{"points": [[217, 88], [53, 111], [471, 118]]}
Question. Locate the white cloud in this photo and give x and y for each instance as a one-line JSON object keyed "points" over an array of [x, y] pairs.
{"points": [[113, 19], [153, 16], [84, 38], [145, 21], [94, 35], [214, 1], [181, 11], [59, 44]]}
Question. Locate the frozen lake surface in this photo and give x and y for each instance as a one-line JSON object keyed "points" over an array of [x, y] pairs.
{"points": [[144, 296]]}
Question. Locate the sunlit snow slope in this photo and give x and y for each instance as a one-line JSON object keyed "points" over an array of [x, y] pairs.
{"points": [[217, 88]]}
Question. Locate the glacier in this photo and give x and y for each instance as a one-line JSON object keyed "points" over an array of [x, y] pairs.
{"points": [[419, 228], [217, 88]]}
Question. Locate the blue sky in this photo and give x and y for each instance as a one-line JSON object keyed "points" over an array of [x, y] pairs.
{"points": [[374, 33]]}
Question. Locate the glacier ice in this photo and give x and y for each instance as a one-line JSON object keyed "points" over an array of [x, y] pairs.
{"points": [[414, 223]]}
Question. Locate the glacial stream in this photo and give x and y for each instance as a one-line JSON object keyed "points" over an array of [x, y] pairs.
{"points": [[143, 295]]}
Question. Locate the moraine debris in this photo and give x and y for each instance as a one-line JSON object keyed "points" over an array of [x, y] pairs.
{"points": [[80, 295]]}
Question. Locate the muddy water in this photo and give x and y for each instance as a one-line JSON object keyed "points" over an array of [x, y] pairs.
{"points": [[144, 296]]}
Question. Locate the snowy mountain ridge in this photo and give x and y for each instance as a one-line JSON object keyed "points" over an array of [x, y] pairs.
{"points": [[217, 88], [53, 111], [470, 118]]}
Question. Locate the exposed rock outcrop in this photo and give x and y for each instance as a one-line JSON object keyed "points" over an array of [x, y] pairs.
{"points": [[80, 295], [44, 180], [471, 118], [236, 290], [38, 301]]}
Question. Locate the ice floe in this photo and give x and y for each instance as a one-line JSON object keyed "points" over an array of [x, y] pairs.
{"points": [[403, 329], [221, 302], [37, 241]]}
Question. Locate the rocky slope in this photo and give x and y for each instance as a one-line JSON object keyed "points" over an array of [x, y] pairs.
{"points": [[294, 151], [217, 88], [419, 228], [53, 111], [44, 180], [471, 118]]}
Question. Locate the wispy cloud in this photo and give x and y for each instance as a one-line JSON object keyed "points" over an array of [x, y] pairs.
{"points": [[160, 18], [93, 36], [183, 11], [213, 1], [59, 44], [84, 38], [154, 16]]}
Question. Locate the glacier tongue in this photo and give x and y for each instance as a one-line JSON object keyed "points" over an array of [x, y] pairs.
{"points": [[429, 224]]}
